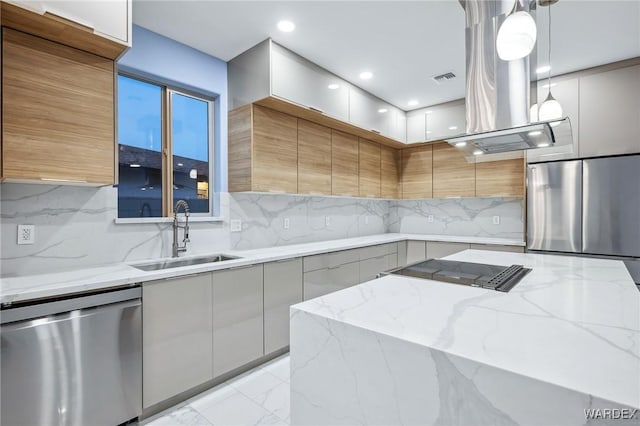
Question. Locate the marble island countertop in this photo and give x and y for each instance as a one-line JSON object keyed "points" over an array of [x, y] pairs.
{"points": [[573, 323], [60, 283]]}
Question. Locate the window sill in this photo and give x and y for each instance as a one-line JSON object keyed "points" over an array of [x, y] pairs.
{"points": [[139, 220]]}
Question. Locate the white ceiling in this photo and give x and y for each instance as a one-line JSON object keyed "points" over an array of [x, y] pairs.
{"points": [[403, 43]]}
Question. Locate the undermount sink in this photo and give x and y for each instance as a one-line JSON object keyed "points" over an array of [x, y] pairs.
{"points": [[176, 263]]}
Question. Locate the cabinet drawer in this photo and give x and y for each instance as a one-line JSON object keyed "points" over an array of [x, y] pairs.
{"points": [[330, 260], [378, 250], [325, 281], [494, 247]]}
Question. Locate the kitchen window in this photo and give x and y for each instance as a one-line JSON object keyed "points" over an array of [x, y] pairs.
{"points": [[165, 147]]}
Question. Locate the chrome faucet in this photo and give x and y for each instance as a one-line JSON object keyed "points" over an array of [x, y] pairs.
{"points": [[176, 247]]}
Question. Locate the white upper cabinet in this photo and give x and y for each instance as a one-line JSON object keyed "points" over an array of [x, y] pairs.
{"points": [[610, 112], [416, 126], [566, 92], [300, 81], [372, 113], [445, 120], [107, 18]]}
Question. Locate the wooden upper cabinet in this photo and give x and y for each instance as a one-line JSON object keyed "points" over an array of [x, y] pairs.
{"points": [[100, 27], [417, 172], [453, 176], [344, 164], [314, 158], [390, 166], [500, 178], [275, 151], [58, 112], [369, 170]]}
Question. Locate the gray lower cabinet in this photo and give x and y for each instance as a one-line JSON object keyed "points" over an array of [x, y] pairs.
{"points": [[282, 288], [237, 317], [327, 280], [177, 336], [438, 249], [415, 252]]}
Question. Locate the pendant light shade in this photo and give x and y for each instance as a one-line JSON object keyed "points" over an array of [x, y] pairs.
{"points": [[516, 36], [550, 109]]}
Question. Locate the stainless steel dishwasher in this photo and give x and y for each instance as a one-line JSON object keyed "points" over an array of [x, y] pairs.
{"points": [[75, 361]]}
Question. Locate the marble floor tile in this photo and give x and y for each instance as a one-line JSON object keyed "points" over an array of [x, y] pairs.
{"points": [[258, 397], [280, 368]]}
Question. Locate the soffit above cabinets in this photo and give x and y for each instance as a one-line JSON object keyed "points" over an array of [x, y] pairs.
{"points": [[404, 43]]}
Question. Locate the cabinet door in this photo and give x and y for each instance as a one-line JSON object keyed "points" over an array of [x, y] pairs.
{"points": [[177, 337], [505, 178], [445, 121], [436, 250], [344, 164], [368, 112], [314, 158], [275, 151], [416, 251], [369, 168], [416, 126], [610, 112], [298, 80], [237, 318], [399, 131], [390, 165], [566, 92], [453, 176], [282, 288], [417, 178], [57, 115], [107, 18]]}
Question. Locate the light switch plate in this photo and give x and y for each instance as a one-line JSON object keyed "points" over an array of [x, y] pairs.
{"points": [[26, 234], [236, 225], [496, 220], [366, 220], [287, 223]]}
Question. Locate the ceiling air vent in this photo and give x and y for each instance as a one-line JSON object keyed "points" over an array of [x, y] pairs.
{"points": [[443, 78]]}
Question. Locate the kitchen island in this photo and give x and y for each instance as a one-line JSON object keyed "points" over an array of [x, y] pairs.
{"points": [[402, 350]]}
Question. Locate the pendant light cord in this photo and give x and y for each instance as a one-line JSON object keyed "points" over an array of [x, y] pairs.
{"points": [[549, 50]]}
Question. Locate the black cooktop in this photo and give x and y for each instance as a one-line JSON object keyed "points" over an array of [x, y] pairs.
{"points": [[494, 277]]}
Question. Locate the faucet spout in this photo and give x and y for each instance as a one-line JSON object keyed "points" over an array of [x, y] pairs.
{"points": [[178, 248]]}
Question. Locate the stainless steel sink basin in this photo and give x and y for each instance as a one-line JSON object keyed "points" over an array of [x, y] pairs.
{"points": [[176, 263]]}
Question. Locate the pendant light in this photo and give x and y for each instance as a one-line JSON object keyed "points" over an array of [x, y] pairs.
{"points": [[517, 34], [550, 108]]}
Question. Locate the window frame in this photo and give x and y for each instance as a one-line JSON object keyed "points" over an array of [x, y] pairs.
{"points": [[167, 144]]}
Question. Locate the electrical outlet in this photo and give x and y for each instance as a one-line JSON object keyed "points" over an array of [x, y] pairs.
{"points": [[366, 220], [26, 234], [496, 220], [430, 218], [327, 221], [286, 223], [236, 225]]}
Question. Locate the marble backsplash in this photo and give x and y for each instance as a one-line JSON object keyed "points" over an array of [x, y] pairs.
{"points": [[459, 217], [75, 226], [311, 218]]}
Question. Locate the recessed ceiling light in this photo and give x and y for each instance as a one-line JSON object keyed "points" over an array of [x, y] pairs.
{"points": [[366, 75], [429, 132], [477, 152], [286, 26], [333, 86], [461, 144], [382, 110], [428, 112], [542, 145], [412, 102], [134, 165], [535, 133], [546, 86], [180, 164], [453, 128], [543, 69]]}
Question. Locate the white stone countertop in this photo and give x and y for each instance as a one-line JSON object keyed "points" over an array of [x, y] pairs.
{"points": [[60, 283], [572, 321]]}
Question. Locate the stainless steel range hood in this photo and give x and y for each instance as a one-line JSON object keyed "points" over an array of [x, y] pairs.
{"points": [[499, 94]]}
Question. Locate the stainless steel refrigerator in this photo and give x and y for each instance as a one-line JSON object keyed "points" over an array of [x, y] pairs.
{"points": [[585, 206]]}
